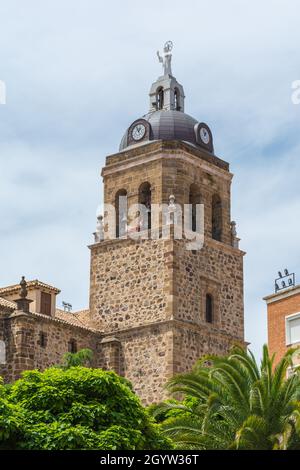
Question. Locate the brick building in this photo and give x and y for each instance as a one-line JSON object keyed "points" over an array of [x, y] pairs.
{"points": [[156, 305], [283, 310]]}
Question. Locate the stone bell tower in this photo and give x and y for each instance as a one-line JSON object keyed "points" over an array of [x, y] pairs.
{"points": [[160, 304]]}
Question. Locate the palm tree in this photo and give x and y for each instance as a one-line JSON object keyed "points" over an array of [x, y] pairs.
{"points": [[232, 403]]}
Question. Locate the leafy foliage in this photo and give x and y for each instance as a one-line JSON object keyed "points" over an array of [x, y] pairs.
{"points": [[80, 358], [75, 408], [234, 404]]}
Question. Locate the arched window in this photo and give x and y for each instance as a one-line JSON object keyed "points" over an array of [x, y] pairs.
{"points": [[121, 212], [145, 200], [176, 100], [216, 222], [2, 352], [194, 199], [160, 98], [209, 309]]}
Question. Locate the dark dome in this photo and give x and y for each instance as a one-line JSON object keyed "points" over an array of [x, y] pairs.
{"points": [[168, 125]]}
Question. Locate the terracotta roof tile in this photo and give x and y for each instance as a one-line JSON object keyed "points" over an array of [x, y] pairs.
{"points": [[7, 304], [30, 285], [80, 318], [66, 320]]}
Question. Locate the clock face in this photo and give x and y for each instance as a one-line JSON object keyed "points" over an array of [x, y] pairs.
{"points": [[204, 135], [138, 132]]}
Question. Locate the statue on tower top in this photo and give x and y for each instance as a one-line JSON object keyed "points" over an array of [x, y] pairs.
{"points": [[23, 290], [167, 58]]}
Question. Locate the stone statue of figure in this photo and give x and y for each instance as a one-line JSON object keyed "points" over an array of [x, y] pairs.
{"points": [[167, 58], [171, 209], [172, 205], [23, 290], [99, 234], [234, 238], [233, 229]]}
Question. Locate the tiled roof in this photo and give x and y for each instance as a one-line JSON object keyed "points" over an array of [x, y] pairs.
{"points": [[80, 318], [59, 319], [7, 304], [30, 285]]}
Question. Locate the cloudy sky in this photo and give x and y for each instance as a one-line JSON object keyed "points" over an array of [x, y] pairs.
{"points": [[78, 73]]}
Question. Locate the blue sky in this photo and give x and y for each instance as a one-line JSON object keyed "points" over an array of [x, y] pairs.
{"points": [[78, 73]]}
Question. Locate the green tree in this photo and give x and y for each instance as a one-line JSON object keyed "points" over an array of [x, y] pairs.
{"points": [[75, 408], [232, 403], [81, 358]]}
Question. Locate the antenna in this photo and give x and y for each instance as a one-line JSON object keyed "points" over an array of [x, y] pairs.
{"points": [[67, 307], [284, 281]]}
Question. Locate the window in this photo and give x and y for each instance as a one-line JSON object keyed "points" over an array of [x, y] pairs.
{"points": [[293, 329], [45, 303], [194, 199], [72, 346], [160, 98], [121, 212], [209, 308], [43, 339], [176, 100], [216, 222], [2, 352], [145, 200]]}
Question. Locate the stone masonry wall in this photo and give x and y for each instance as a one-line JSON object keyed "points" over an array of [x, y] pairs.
{"points": [[171, 169], [21, 333], [180, 172], [131, 180], [150, 295], [58, 335], [18, 337], [192, 342], [130, 284], [147, 359], [216, 269]]}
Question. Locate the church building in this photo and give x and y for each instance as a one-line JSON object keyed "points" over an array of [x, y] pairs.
{"points": [[157, 301]]}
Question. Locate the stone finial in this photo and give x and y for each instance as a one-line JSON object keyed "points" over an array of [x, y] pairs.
{"points": [[171, 210], [233, 229], [23, 290], [99, 234], [234, 238], [23, 303]]}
